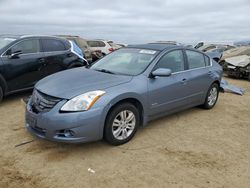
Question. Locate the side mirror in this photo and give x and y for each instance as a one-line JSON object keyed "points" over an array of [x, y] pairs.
{"points": [[161, 72], [15, 54]]}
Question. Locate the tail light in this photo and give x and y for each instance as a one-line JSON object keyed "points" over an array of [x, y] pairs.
{"points": [[111, 49]]}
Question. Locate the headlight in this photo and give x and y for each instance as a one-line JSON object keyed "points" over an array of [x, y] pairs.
{"points": [[82, 102]]}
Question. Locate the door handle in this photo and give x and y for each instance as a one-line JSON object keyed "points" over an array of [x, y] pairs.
{"points": [[184, 81], [42, 60]]}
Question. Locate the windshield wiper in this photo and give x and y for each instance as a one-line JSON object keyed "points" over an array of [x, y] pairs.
{"points": [[105, 71]]}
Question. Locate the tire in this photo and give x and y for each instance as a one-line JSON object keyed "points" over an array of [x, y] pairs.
{"points": [[119, 130], [1, 94], [212, 96]]}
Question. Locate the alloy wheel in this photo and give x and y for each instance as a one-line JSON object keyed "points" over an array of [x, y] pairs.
{"points": [[123, 125], [212, 97]]}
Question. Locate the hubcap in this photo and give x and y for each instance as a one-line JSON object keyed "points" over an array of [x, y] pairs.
{"points": [[123, 125], [212, 97]]}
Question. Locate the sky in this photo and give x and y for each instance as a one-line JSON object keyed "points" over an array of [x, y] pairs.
{"points": [[130, 21]]}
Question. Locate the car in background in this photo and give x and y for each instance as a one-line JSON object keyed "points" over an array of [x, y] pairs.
{"points": [[82, 43], [215, 48], [24, 60], [120, 92], [114, 45], [166, 42], [237, 66], [221, 48], [242, 43], [102, 45], [238, 51], [122, 45]]}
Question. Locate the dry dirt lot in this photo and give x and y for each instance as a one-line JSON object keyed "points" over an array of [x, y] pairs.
{"points": [[194, 148]]}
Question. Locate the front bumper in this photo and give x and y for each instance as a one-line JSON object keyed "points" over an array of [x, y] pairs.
{"points": [[78, 127]]}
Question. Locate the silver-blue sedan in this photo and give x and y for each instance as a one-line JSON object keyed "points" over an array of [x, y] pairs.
{"points": [[120, 92]]}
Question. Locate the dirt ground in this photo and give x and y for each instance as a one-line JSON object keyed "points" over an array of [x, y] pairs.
{"points": [[194, 148]]}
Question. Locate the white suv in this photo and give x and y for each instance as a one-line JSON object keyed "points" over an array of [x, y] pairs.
{"points": [[104, 46]]}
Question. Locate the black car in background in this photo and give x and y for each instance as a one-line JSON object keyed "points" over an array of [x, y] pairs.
{"points": [[24, 60]]}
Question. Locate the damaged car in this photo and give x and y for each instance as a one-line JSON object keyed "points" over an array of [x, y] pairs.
{"points": [[213, 47], [121, 92], [238, 51], [238, 66]]}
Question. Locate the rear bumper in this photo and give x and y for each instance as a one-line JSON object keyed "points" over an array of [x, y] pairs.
{"points": [[77, 127]]}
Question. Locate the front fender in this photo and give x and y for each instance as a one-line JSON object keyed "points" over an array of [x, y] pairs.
{"points": [[121, 97]]}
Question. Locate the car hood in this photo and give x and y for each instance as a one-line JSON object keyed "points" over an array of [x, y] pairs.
{"points": [[239, 61], [74, 82]]}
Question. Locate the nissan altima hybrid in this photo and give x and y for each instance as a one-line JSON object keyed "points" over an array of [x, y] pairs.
{"points": [[124, 90]]}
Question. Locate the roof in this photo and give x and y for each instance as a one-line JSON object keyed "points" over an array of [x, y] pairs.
{"points": [[156, 46], [27, 36]]}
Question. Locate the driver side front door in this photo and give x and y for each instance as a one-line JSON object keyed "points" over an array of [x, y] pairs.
{"points": [[167, 94], [23, 70]]}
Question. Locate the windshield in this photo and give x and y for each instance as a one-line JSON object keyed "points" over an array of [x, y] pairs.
{"points": [[126, 61], [5, 41]]}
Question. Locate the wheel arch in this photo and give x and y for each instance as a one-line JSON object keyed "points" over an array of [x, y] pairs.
{"points": [[136, 101], [216, 82]]}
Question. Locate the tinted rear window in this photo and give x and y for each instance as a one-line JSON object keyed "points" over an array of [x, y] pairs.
{"points": [[52, 45]]}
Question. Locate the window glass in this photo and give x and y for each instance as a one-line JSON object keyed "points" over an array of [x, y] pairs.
{"points": [[195, 59], [51, 45], [83, 43], [207, 60], [173, 60], [92, 43], [101, 44], [5, 41], [96, 43], [27, 46], [126, 61]]}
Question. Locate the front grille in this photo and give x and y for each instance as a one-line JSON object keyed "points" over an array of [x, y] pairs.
{"points": [[42, 103]]}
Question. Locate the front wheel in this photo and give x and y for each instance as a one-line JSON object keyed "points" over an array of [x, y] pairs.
{"points": [[121, 124], [212, 96]]}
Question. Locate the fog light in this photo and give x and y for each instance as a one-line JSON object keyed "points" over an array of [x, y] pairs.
{"points": [[69, 133], [66, 133]]}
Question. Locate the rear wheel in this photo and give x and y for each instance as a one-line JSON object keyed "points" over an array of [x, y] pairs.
{"points": [[121, 124], [1, 93], [212, 96]]}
